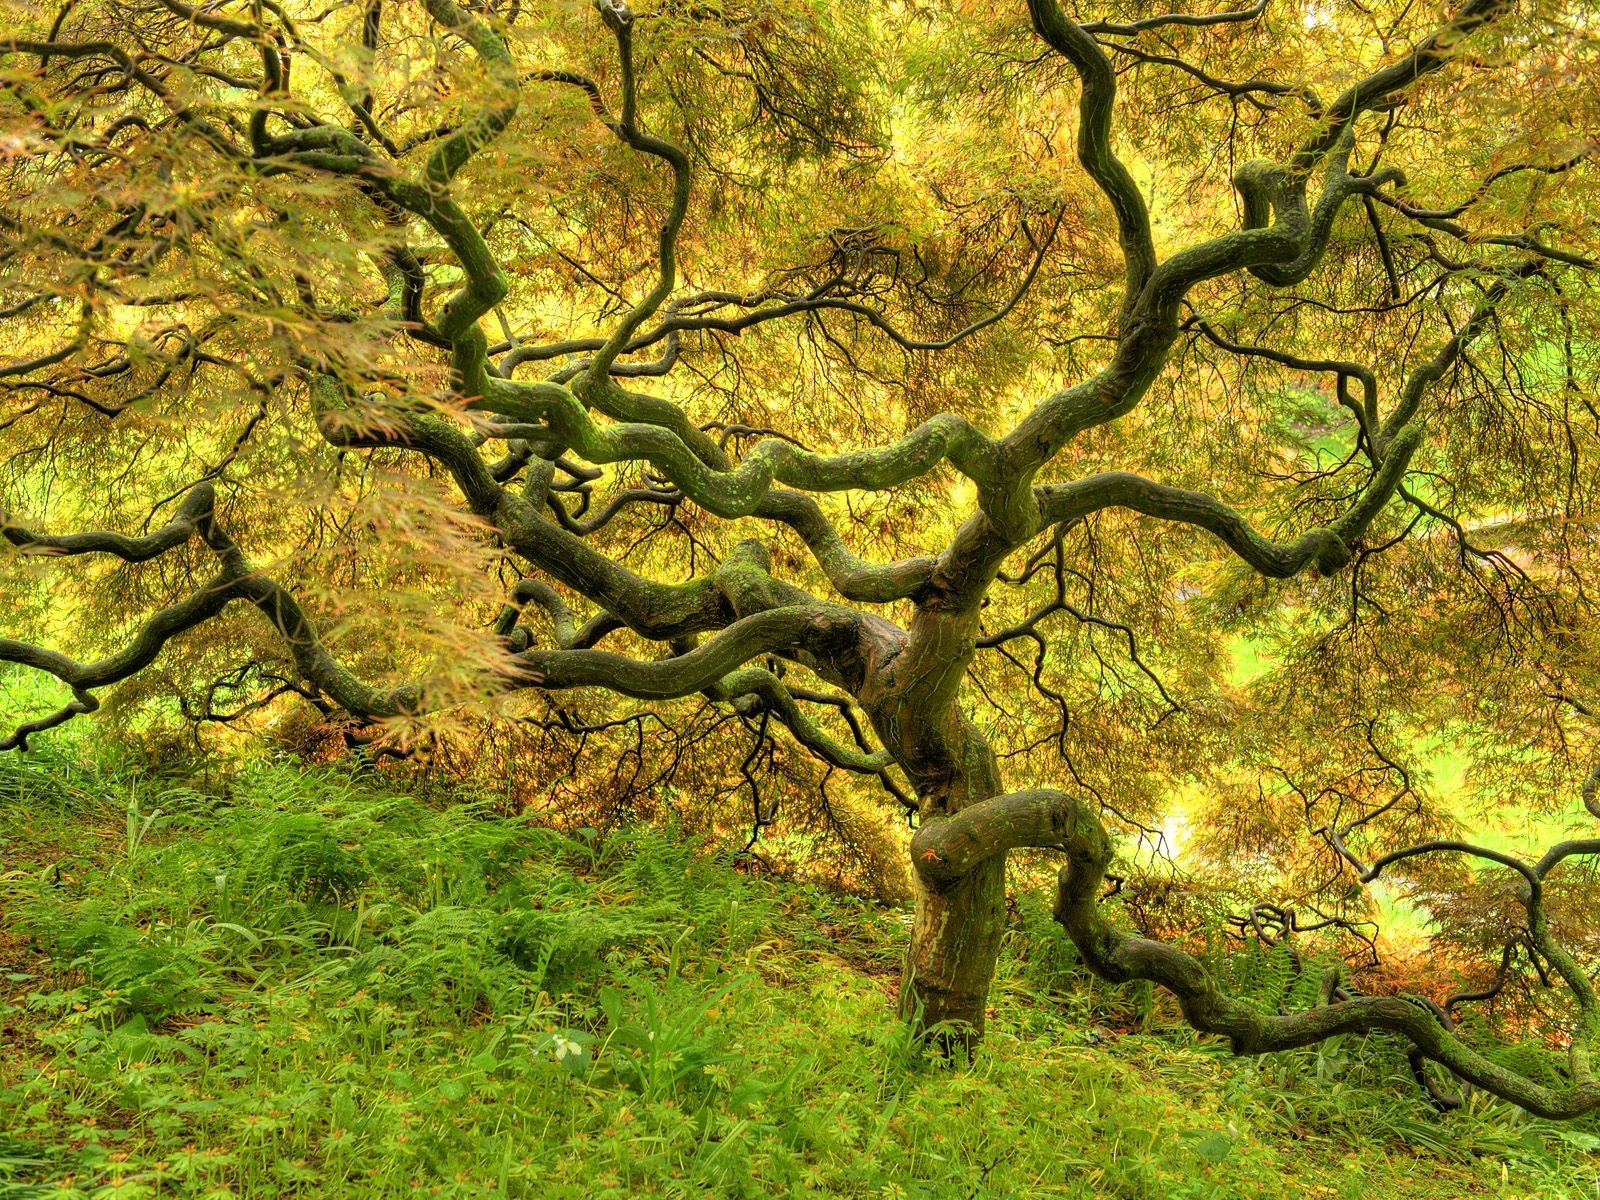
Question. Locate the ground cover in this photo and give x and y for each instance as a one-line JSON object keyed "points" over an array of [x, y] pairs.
{"points": [[307, 983]]}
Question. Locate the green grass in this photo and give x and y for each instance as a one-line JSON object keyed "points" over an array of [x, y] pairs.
{"points": [[313, 986]]}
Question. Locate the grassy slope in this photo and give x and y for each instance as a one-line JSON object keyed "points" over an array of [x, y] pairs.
{"points": [[315, 988]]}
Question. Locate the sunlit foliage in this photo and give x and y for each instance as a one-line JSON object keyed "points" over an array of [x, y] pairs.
{"points": [[1046, 424]]}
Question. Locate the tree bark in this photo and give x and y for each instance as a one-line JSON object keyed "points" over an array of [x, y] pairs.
{"points": [[955, 944], [959, 919]]}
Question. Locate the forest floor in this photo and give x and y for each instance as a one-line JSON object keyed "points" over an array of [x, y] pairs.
{"points": [[311, 986]]}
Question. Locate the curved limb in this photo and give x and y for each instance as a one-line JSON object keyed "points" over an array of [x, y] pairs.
{"points": [[1047, 817], [764, 686], [236, 580], [1098, 89], [82, 702], [196, 507], [1285, 248], [1328, 548], [618, 18], [739, 491], [822, 631]]}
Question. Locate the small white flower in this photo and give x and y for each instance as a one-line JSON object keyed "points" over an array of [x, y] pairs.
{"points": [[565, 1048]]}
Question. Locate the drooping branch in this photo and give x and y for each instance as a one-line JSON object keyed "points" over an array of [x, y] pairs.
{"points": [[133, 69], [82, 703], [1028, 627], [700, 312], [853, 577], [236, 580], [1327, 548], [196, 507], [141, 649], [1177, 20], [821, 631], [1417, 382], [946, 849], [1248, 91], [1366, 413], [772, 696], [1443, 218]]}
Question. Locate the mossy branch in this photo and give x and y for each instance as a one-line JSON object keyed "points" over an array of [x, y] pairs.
{"points": [[947, 849], [1327, 548]]}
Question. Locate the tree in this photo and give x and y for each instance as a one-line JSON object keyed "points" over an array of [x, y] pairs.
{"points": [[282, 278]]}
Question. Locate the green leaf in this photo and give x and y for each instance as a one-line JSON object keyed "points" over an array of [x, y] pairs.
{"points": [[572, 1048], [454, 1090]]}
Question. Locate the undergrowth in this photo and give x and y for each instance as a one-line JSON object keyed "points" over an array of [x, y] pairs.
{"points": [[312, 985]]}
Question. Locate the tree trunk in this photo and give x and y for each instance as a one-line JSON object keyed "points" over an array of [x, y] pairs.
{"points": [[955, 942], [914, 704], [958, 923]]}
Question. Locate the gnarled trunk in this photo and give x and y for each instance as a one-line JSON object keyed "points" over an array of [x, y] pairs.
{"points": [[961, 865], [911, 688], [959, 920], [955, 943]]}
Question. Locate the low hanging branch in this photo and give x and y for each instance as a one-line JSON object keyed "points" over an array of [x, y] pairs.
{"points": [[949, 848]]}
